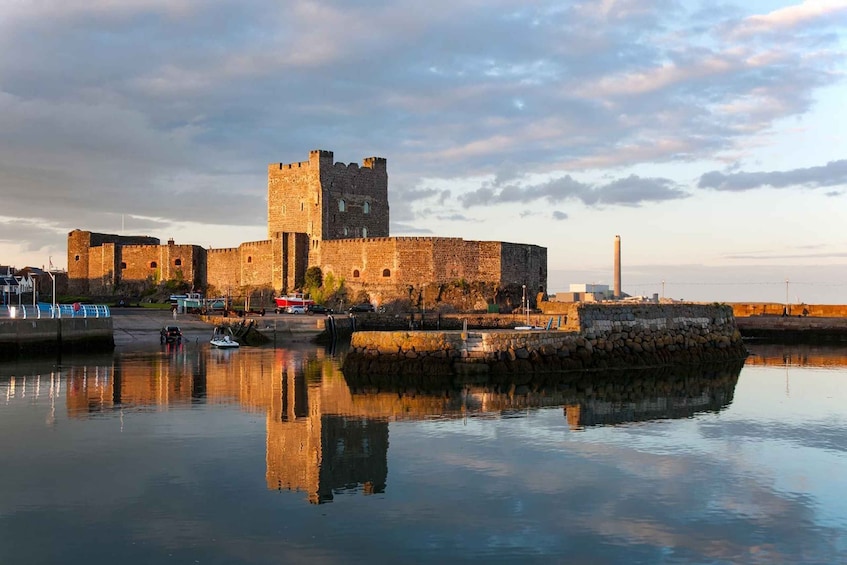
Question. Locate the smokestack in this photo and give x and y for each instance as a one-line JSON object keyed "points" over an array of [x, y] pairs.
{"points": [[617, 266]]}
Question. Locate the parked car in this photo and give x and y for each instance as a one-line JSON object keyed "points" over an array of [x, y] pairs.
{"points": [[363, 307], [296, 310], [170, 334], [318, 309]]}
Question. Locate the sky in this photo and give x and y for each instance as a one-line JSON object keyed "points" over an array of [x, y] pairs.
{"points": [[711, 136]]}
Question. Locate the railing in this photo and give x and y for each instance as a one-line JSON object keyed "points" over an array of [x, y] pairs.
{"points": [[48, 311]]}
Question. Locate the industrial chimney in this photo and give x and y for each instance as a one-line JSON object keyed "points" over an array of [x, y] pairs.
{"points": [[617, 266]]}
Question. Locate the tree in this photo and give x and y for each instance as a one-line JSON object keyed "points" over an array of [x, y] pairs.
{"points": [[313, 279]]}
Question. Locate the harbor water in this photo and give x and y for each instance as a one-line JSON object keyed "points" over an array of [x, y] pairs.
{"points": [[184, 454]]}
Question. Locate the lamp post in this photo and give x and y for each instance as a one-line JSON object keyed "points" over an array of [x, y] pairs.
{"points": [[53, 296], [786, 293], [525, 304]]}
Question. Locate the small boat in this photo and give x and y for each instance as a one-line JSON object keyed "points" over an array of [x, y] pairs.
{"points": [[223, 340], [529, 327]]}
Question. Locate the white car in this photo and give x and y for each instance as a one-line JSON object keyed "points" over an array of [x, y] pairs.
{"points": [[296, 310]]}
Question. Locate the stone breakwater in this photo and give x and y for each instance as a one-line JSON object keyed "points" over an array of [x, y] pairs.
{"points": [[596, 336]]}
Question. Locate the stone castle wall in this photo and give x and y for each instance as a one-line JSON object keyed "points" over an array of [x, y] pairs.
{"points": [[364, 193], [222, 265], [80, 270], [389, 266]]}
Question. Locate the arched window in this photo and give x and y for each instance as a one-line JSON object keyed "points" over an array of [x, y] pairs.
{"points": [[123, 265], [355, 273], [153, 264], [249, 258], [364, 232], [386, 273], [284, 209], [178, 262], [366, 207], [346, 231], [342, 206]]}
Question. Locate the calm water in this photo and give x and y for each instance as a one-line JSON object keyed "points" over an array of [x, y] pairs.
{"points": [[186, 455]]}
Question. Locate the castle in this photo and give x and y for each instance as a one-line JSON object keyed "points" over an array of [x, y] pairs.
{"points": [[320, 213]]}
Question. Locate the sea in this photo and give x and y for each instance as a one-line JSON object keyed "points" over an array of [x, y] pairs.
{"points": [[179, 453]]}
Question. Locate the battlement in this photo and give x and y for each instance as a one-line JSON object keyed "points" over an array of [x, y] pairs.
{"points": [[317, 157], [375, 163], [281, 166], [222, 250], [256, 243], [321, 157], [132, 245], [320, 154]]}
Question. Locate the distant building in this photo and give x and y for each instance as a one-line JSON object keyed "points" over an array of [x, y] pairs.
{"points": [[589, 288], [584, 292]]}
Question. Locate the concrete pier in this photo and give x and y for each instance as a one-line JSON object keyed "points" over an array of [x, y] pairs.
{"points": [[47, 335]]}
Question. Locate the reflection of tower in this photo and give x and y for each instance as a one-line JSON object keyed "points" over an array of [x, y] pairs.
{"points": [[321, 453], [617, 266]]}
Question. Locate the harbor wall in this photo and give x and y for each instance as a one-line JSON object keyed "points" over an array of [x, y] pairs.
{"points": [[749, 309], [47, 335], [596, 336]]}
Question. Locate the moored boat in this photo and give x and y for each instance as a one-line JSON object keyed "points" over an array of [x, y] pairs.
{"points": [[222, 339]]}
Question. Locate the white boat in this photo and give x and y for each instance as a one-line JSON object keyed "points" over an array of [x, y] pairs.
{"points": [[223, 340], [529, 327]]}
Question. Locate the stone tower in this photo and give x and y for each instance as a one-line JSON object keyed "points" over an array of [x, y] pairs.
{"points": [[328, 200]]}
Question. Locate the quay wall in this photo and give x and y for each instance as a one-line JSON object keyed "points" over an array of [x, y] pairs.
{"points": [[749, 309], [596, 336], [47, 335]]}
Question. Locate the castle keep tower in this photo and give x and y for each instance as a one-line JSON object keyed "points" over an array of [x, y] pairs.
{"points": [[328, 200]]}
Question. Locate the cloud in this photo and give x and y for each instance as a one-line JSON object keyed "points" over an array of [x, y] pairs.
{"points": [[30, 234], [630, 191], [832, 174], [455, 218], [400, 229], [787, 256], [558, 215], [824, 12]]}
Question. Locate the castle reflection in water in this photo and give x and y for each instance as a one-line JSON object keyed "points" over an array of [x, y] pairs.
{"points": [[325, 435]]}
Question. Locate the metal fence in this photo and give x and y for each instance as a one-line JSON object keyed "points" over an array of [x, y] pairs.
{"points": [[43, 310]]}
